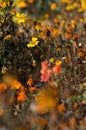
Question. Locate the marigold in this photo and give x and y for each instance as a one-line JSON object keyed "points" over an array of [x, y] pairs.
{"points": [[21, 96], [81, 53], [3, 87], [33, 89], [16, 85], [41, 121], [68, 35], [61, 108], [31, 1], [46, 100], [1, 111], [63, 22], [75, 105], [72, 122], [30, 82]]}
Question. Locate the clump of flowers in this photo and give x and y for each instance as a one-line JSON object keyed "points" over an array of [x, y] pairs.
{"points": [[46, 71]]}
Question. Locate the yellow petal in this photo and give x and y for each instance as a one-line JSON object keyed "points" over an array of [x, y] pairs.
{"points": [[34, 39]]}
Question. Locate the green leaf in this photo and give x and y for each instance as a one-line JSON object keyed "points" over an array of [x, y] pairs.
{"points": [[84, 95], [57, 83]]}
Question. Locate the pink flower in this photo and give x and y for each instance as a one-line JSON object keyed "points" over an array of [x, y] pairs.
{"points": [[49, 72], [46, 72], [46, 76], [44, 64], [43, 71]]}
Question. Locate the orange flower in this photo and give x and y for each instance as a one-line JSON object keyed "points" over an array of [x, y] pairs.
{"points": [[1, 111], [75, 36], [65, 59], [22, 4], [22, 88], [63, 22], [68, 35], [8, 79], [69, 28], [75, 106], [31, 1], [41, 121], [21, 96], [63, 125], [60, 108], [72, 122], [30, 81], [52, 84], [34, 64], [56, 69], [3, 87], [81, 53], [33, 89], [46, 100], [16, 85]]}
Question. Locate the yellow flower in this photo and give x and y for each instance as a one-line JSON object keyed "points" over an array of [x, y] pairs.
{"points": [[4, 70], [21, 18], [59, 32], [22, 4], [53, 6], [14, 12], [84, 84], [37, 27], [7, 37], [51, 59], [66, 1], [69, 7], [33, 43], [58, 62], [73, 23], [4, 3], [83, 4], [63, 22]]}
